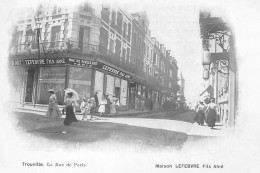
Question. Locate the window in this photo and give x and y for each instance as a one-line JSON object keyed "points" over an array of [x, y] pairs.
{"points": [[162, 66], [170, 85], [170, 71], [124, 30], [151, 55], [155, 59], [134, 40], [113, 19], [124, 53], [111, 45], [54, 11], [19, 40], [55, 36]]}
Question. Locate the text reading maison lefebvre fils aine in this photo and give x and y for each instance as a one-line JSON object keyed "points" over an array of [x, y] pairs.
{"points": [[189, 166], [53, 164]]}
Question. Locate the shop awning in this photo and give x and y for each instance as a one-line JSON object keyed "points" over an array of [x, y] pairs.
{"points": [[209, 89], [138, 80]]}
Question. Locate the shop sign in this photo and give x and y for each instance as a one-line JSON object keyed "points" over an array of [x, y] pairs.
{"points": [[17, 62], [41, 61], [112, 70], [82, 62]]}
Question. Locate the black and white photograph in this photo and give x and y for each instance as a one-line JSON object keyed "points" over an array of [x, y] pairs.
{"points": [[130, 86]]}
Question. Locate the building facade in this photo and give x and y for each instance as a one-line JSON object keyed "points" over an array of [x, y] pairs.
{"points": [[101, 49], [220, 66]]}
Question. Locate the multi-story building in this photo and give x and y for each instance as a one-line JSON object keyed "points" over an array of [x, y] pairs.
{"points": [[219, 62], [101, 49]]}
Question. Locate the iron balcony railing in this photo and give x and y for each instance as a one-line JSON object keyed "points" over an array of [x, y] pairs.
{"points": [[98, 50]]}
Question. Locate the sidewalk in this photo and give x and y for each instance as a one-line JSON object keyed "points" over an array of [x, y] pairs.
{"points": [[149, 119], [43, 109]]}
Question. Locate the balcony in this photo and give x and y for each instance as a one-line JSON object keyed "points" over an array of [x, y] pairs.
{"points": [[98, 51]]}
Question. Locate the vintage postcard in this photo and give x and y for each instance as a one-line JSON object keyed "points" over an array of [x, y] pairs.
{"points": [[129, 86]]}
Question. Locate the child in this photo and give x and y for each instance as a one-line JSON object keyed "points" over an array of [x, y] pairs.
{"points": [[84, 108]]}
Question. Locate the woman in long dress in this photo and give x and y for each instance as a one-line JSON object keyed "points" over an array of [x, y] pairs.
{"points": [[53, 109], [70, 115], [211, 113], [200, 113], [102, 106]]}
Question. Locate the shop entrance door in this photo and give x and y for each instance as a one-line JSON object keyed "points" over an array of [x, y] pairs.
{"points": [[131, 96], [117, 92], [29, 85]]}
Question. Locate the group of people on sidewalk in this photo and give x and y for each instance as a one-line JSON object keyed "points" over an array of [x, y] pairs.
{"points": [[102, 106], [206, 113], [87, 107]]}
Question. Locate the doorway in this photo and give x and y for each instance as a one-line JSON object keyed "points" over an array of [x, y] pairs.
{"points": [[117, 92], [29, 85]]}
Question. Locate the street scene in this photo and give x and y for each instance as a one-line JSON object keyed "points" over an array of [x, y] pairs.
{"points": [[104, 74]]}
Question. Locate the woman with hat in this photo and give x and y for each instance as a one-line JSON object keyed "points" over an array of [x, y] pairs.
{"points": [[200, 113], [53, 109], [211, 111], [102, 105], [70, 115]]}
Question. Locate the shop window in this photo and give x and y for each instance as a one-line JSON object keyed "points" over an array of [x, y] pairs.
{"points": [[99, 79], [123, 94], [51, 78], [80, 81]]}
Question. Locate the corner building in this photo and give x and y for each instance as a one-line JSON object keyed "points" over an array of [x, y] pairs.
{"points": [[87, 48]]}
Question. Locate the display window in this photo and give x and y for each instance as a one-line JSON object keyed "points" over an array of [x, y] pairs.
{"points": [[80, 81], [51, 78], [99, 80], [123, 94]]}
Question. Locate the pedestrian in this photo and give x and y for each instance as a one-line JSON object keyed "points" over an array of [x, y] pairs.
{"points": [[92, 107], [84, 108], [97, 101], [107, 107], [211, 112], [200, 114], [102, 105], [70, 115], [53, 109], [117, 103], [114, 105]]}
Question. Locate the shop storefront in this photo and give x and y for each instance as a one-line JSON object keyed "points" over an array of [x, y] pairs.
{"points": [[40, 75]]}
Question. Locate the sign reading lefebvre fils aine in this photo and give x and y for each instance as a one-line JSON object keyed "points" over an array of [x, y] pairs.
{"points": [[112, 70], [41, 61], [70, 61]]}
